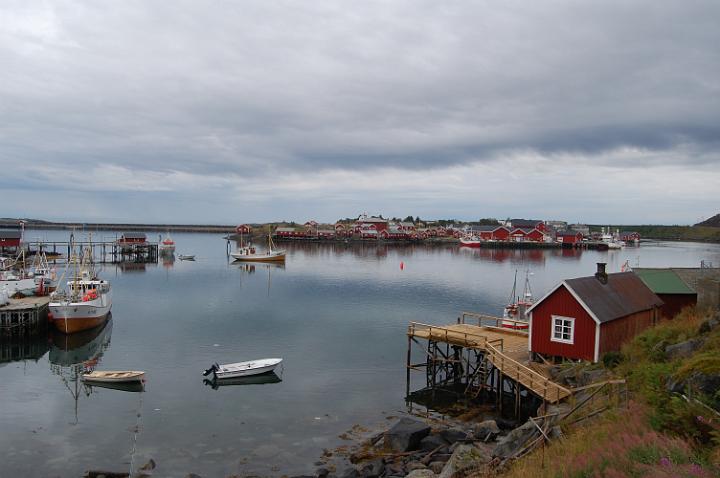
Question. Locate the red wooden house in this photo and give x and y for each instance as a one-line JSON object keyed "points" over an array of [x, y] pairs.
{"points": [[132, 238], [501, 233], [569, 237], [289, 233], [630, 236], [10, 239], [243, 229], [587, 317], [377, 223], [528, 224]]}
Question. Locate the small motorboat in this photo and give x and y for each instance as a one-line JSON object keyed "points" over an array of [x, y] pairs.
{"points": [[186, 257], [117, 376], [243, 369]]}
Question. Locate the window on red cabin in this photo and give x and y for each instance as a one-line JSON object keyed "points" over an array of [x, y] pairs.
{"points": [[563, 329]]}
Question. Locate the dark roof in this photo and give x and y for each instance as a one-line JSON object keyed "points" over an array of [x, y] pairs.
{"points": [[9, 234], [623, 294], [569, 233], [663, 281], [483, 228], [525, 222], [134, 235]]}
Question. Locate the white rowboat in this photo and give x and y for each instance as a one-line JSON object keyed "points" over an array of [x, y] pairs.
{"points": [[114, 376], [243, 369]]}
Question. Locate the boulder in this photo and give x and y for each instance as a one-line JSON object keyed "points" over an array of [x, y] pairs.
{"points": [[486, 430], [373, 468], [708, 384], [709, 325], [683, 349], [514, 441], [322, 472], [424, 473], [415, 465], [405, 435], [350, 472], [452, 435], [431, 442], [436, 466], [592, 376], [464, 457]]}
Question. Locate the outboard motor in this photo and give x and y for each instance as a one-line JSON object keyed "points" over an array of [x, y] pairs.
{"points": [[212, 369]]}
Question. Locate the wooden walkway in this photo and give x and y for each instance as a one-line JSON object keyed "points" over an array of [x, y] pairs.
{"points": [[505, 349]]}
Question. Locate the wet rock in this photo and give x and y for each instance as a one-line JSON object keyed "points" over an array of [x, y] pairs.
{"points": [[415, 465], [431, 442], [423, 473], [486, 430], [514, 441], [373, 468], [436, 466], [452, 435], [405, 435], [350, 472], [465, 456], [683, 349]]}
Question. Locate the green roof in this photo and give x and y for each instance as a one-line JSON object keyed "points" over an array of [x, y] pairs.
{"points": [[663, 281]]}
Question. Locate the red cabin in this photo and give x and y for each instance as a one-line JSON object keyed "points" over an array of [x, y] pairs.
{"points": [[10, 239], [132, 238], [289, 232], [569, 237], [501, 234], [587, 317], [377, 223], [243, 229]]}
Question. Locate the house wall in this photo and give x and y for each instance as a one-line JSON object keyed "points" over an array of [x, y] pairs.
{"points": [[615, 333], [674, 303], [561, 302]]}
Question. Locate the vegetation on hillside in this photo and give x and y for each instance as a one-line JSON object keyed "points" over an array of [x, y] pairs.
{"points": [[712, 222], [671, 426]]}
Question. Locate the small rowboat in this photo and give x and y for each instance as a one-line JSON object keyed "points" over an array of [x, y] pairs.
{"points": [[186, 257], [114, 376], [243, 369]]}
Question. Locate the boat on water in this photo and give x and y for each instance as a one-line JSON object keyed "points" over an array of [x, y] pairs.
{"points": [[86, 301], [114, 376], [242, 369], [514, 314], [167, 245], [470, 241], [250, 254], [45, 277], [15, 278], [186, 257], [612, 241]]}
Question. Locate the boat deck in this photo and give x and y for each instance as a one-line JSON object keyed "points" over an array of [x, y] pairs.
{"points": [[506, 349]]}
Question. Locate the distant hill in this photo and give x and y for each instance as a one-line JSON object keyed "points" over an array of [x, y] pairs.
{"points": [[712, 222]]}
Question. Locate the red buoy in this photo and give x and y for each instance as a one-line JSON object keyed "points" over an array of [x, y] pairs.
{"points": [[402, 265]]}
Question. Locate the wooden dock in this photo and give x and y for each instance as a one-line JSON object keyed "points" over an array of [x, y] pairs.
{"points": [[483, 357], [22, 317], [104, 252]]}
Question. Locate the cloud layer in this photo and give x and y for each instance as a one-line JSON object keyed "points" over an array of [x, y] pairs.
{"points": [[396, 107]]}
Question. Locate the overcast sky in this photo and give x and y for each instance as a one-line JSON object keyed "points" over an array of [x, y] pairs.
{"points": [[246, 111]]}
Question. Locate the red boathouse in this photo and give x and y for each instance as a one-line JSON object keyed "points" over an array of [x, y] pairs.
{"points": [[587, 317]]}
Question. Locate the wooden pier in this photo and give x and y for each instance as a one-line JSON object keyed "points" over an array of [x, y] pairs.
{"points": [[104, 252], [24, 317], [483, 358]]}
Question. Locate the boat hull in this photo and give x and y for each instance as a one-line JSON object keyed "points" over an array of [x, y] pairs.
{"points": [[71, 317], [114, 377], [246, 369], [470, 243], [279, 257]]}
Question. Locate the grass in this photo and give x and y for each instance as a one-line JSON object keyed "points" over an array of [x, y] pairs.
{"points": [[660, 434]]}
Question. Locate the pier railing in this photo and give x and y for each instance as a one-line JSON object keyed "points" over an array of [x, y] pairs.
{"points": [[510, 325], [534, 381]]}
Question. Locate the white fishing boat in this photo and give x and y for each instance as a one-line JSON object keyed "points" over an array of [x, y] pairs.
{"points": [[186, 257], [16, 283], [251, 254], [470, 241], [243, 369], [85, 303], [514, 314], [45, 277], [167, 245], [117, 376]]}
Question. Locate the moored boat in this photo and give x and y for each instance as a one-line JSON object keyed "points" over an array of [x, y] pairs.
{"points": [[167, 245], [470, 241], [251, 254], [514, 314], [243, 369], [114, 376]]}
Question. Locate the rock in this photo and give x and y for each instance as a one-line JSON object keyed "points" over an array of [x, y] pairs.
{"points": [[373, 468], [486, 430], [592, 376], [322, 472], [452, 435], [464, 457], [394, 469], [675, 385], [350, 472], [436, 466], [443, 457], [150, 465], [709, 325], [424, 473], [555, 432], [506, 424], [405, 435], [514, 441], [431, 442], [684, 349], [704, 383], [415, 465]]}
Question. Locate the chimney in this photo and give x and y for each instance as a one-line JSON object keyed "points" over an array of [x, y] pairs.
{"points": [[601, 275]]}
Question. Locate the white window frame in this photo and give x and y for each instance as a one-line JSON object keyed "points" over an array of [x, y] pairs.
{"points": [[572, 329]]}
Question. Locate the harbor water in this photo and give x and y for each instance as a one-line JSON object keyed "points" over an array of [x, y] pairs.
{"points": [[336, 313]]}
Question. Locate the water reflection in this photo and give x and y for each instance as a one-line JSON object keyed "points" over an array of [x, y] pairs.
{"points": [[263, 379], [71, 354], [13, 349]]}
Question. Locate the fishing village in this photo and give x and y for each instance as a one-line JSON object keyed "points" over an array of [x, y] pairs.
{"points": [[511, 383], [383, 239]]}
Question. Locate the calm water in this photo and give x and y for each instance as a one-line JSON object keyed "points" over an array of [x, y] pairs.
{"points": [[336, 313]]}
